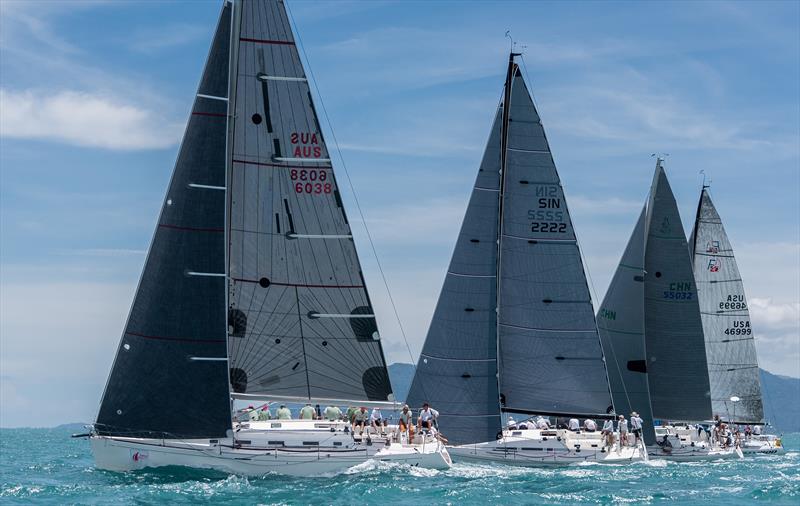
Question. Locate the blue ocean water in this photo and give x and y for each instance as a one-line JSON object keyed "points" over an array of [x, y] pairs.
{"points": [[46, 466]]}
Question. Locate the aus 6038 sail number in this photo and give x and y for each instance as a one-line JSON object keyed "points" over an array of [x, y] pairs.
{"points": [[310, 181]]}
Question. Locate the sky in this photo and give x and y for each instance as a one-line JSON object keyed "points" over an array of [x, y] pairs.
{"points": [[94, 97]]}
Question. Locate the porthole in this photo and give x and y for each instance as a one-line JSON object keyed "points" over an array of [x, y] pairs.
{"points": [[263, 282], [277, 341], [658, 274], [256, 118]]}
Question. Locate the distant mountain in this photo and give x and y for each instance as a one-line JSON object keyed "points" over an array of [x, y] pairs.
{"points": [[781, 401], [781, 396]]}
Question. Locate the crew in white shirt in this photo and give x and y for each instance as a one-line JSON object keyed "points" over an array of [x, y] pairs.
{"points": [[589, 425], [427, 416], [574, 425]]}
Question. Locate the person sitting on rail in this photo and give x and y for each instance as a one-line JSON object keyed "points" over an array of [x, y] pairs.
{"points": [[427, 417], [360, 419], [264, 414], [406, 423], [307, 413], [542, 423], [283, 413], [332, 413], [377, 421], [574, 425], [589, 425]]}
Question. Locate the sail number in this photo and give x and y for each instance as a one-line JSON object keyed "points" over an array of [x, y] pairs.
{"points": [[310, 181], [733, 302], [679, 291], [548, 216], [740, 328]]}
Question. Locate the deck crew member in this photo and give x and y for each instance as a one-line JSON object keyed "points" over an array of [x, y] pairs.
{"points": [[360, 419], [427, 417], [307, 413], [252, 413], [264, 414], [512, 424], [542, 423], [351, 412], [574, 425], [636, 426], [332, 413], [405, 424], [622, 427], [376, 420], [608, 432], [589, 425], [283, 413]]}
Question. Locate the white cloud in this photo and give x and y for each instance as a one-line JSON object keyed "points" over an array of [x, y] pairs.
{"points": [[83, 119]]}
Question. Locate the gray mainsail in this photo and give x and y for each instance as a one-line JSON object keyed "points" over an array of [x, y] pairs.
{"points": [[169, 378], [730, 346], [457, 370], [621, 323], [677, 374], [514, 328], [300, 321], [550, 358]]}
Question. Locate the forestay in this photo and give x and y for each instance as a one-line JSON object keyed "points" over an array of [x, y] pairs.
{"points": [[169, 378], [550, 357], [676, 355], [300, 321], [729, 340], [457, 370], [621, 323]]}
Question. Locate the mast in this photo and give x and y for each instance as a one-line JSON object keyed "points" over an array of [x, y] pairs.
{"points": [[512, 66]]}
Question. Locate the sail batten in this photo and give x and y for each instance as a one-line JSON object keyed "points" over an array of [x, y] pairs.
{"points": [[729, 338]]}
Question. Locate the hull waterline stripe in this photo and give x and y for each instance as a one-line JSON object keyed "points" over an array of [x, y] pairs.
{"points": [[241, 280], [181, 339], [206, 186], [212, 97], [191, 229], [280, 166], [267, 41]]}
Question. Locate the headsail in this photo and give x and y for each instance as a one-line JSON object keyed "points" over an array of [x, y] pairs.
{"points": [[550, 357], [169, 378], [621, 323], [730, 347], [300, 321], [676, 355], [457, 370], [550, 360]]}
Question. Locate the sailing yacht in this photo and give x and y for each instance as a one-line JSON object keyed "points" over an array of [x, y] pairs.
{"points": [[514, 330], [252, 289], [730, 345], [652, 332]]}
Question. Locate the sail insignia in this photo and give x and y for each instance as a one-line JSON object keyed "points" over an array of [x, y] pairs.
{"points": [[729, 339]]}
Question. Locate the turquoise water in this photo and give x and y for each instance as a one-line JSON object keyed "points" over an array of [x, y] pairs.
{"points": [[46, 466]]}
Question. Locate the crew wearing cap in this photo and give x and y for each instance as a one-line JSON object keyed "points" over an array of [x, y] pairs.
{"points": [[622, 427], [636, 426], [360, 419]]}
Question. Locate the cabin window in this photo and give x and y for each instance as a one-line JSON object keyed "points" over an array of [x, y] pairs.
{"points": [[275, 443], [275, 426], [256, 118], [310, 443]]}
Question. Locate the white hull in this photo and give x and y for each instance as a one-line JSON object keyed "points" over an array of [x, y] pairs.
{"points": [[691, 453], [252, 459], [765, 444], [696, 446], [534, 448]]}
